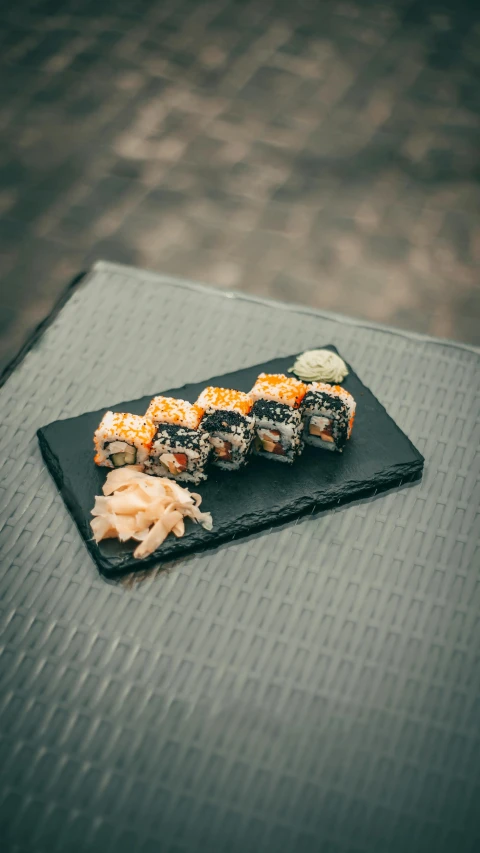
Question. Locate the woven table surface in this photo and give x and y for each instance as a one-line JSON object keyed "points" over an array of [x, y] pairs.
{"points": [[314, 688]]}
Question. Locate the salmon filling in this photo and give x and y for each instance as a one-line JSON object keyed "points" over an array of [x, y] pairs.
{"points": [[321, 427], [269, 439], [176, 463], [222, 448]]}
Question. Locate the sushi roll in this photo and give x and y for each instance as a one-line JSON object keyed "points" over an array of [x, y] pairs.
{"points": [[278, 416], [229, 424], [122, 439], [180, 450], [329, 413]]}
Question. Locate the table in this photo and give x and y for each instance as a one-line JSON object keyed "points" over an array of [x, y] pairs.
{"points": [[310, 689]]}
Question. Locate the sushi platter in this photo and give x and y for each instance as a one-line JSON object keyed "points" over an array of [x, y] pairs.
{"points": [[259, 447]]}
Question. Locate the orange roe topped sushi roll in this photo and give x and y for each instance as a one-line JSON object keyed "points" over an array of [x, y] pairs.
{"points": [[168, 410], [212, 399], [122, 439], [279, 389]]}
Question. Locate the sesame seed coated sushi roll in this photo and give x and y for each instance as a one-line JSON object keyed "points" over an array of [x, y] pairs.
{"points": [[278, 416], [122, 439], [229, 425], [329, 413], [180, 450], [278, 430]]}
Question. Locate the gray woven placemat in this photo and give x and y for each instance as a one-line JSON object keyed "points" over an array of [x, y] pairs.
{"points": [[310, 689]]}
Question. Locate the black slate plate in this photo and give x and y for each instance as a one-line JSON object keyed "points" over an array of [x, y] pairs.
{"points": [[378, 457]]}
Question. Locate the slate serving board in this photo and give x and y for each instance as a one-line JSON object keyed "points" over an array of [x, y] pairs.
{"points": [[379, 456]]}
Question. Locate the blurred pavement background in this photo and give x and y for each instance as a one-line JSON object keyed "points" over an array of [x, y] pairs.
{"points": [[325, 153]]}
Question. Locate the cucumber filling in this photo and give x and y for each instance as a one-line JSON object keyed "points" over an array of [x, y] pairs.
{"points": [[125, 457]]}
